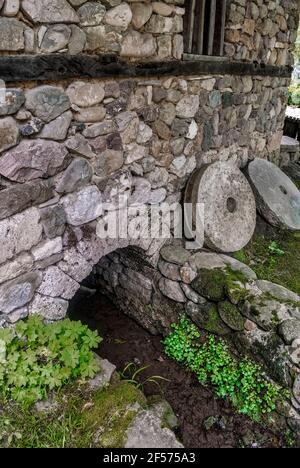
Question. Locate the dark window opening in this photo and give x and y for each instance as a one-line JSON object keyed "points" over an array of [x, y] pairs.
{"points": [[204, 27]]}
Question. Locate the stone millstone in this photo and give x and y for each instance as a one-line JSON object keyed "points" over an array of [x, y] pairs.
{"points": [[229, 206], [278, 199]]}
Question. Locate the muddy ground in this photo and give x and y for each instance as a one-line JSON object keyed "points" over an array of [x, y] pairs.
{"points": [[196, 407]]}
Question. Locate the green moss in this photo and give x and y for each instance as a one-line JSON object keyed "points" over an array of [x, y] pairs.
{"points": [[210, 283], [214, 324], [98, 419], [281, 269], [230, 314]]}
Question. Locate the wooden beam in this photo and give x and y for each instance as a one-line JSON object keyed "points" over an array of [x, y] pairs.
{"points": [[56, 67]]}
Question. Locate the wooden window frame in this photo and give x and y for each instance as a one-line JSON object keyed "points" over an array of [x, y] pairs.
{"points": [[204, 28]]}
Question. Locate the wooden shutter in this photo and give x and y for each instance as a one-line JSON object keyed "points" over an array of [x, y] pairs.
{"points": [[204, 27]]}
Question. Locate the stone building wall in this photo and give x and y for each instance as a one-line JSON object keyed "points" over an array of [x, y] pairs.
{"points": [[65, 146], [141, 30]]}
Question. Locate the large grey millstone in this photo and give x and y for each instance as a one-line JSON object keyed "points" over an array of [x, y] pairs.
{"points": [[229, 206], [33, 159], [277, 197]]}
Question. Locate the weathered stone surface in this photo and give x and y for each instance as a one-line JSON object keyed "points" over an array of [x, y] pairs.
{"points": [[19, 233], [18, 314], [49, 307], [17, 293], [119, 16], [55, 38], [79, 145], [77, 41], [169, 270], [267, 312], [20, 265], [141, 13], [85, 94], [172, 290], [14, 99], [175, 254], [11, 34], [187, 106], [192, 295], [33, 159], [296, 388], [83, 206], [47, 102], [78, 173], [230, 315], [91, 14], [109, 162], [47, 248], [207, 260], [53, 220], [289, 330], [239, 266], [58, 128], [99, 129], [206, 316], [278, 199], [138, 45], [90, 114], [56, 283], [9, 133], [103, 378], [19, 197], [75, 265], [230, 211], [56, 11], [277, 291], [146, 431]]}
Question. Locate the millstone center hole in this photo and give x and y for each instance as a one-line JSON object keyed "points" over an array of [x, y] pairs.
{"points": [[283, 190], [231, 205]]}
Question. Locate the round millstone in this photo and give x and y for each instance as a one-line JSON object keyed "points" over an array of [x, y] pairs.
{"points": [[229, 206], [277, 197]]}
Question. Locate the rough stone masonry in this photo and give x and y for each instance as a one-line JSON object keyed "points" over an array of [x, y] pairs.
{"points": [[65, 146], [68, 145]]}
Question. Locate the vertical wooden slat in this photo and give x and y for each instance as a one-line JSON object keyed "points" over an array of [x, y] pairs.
{"points": [[222, 34], [212, 22], [200, 27], [191, 23]]}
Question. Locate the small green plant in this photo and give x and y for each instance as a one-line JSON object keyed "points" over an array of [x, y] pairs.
{"points": [[274, 249], [243, 382], [132, 374], [289, 438], [294, 96], [37, 357]]}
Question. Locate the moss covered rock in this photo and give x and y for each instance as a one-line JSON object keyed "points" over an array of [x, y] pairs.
{"points": [[210, 284], [230, 314], [206, 316]]}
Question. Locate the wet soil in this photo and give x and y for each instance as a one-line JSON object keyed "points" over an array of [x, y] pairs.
{"points": [[196, 407]]}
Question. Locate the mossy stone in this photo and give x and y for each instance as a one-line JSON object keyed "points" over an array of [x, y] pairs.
{"points": [[210, 284], [230, 314], [206, 316]]}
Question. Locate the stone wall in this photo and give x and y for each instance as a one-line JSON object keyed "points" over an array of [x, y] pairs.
{"points": [[141, 30], [221, 296]]}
